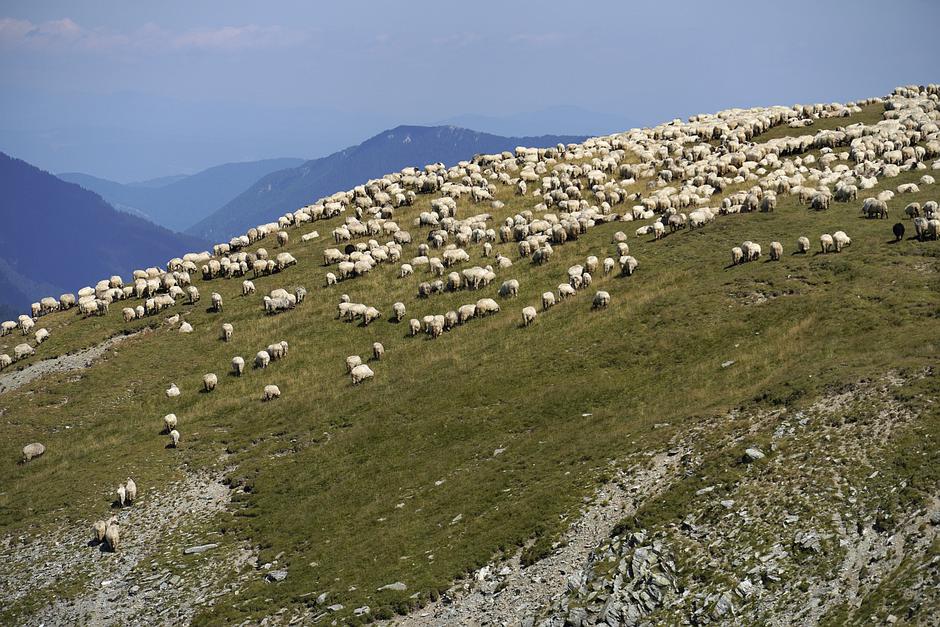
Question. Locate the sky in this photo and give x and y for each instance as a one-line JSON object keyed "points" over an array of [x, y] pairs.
{"points": [[137, 90]]}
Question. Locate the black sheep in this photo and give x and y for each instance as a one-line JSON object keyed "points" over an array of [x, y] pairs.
{"points": [[898, 231]]}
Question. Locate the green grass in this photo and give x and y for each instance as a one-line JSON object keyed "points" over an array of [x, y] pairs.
{"points": [[328, 464]]}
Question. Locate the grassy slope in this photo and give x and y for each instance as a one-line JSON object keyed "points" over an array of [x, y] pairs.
{"points": [[327, 464]]}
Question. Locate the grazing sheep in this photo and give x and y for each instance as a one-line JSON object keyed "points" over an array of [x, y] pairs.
{"points": [[22, 351], [174, 438], [121, 494], [414, 326], [238, 366], [548, 300], [509, 288], [840, 240], [352, 361], [826, 243], [227, 331], [262, 359], [112, 536], [591, 264], [378, 351], [173, 391], [565, 291], [737, 256], [609, 264], [7, 327], [398, 311], [465, 313], [98, 531], [776, 251], [169, 422], [216, 302], [247, 288], [128, 314], [130, 491], [271, 392], [898, 230], [628, 265], [360, 373], [5, 360], [751, 250], [802, 244], [486, 306], [528, 316], [209, 381], [41, 336], [32, 451], [601, 300]]}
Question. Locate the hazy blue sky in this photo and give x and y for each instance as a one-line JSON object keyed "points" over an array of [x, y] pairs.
{"points": [[133, 90]]}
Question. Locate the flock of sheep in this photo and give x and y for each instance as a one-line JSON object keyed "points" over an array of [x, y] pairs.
{"points": [[694, 173]]}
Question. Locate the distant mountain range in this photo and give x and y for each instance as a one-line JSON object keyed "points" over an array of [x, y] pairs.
{"points": [[389, 151], [178, 202], [57, 237]]}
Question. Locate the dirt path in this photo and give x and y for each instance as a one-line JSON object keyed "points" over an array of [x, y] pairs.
{"points": [[65, 363]]}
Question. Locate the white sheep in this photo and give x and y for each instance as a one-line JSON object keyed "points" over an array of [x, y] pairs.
{"points": [[238, 365], [32, 451], [486, 306], [628, 265], [174, 438], [378, 351], [130, 491], [609, 264], [776, 251], [465, 313], [565, 291], [414, 327], [22, 351], [98, 530], [112, 536], [360, 373], [826, 243], [169, 422], [5, 360], [802, 244], [41, 336], [186, 328], [121, 495], [548, 300], [509, 288], [840, 240], [128, 314], [262, 359], [528, 315], [247, 288], [601, 300], [173, 391], [227, 331], [271, 392], [216, 302], [352, 361], [398, 311], [209, 381]]}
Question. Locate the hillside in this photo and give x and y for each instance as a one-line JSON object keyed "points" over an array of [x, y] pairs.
{"points": [[751, 443], [386, 152], [57, 237], [178, 202]]}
